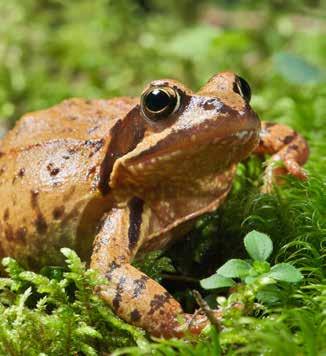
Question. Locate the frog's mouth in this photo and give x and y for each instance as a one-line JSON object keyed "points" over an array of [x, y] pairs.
{"points": [[188, 154]]}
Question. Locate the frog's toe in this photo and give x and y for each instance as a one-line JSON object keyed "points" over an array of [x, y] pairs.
{"points": [[278, 168], [294, 168], [195, 323]]}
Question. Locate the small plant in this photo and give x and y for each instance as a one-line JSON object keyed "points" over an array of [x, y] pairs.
{"points": [[55, 312], [257, 278]]}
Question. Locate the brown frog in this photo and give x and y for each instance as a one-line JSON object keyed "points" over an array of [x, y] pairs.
{"points": [[115, 178]]}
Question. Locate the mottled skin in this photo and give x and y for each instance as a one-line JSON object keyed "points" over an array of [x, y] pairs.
{"points": [[99, 172]]}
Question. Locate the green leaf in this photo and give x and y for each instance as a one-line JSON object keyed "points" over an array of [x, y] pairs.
{"points": [[297, 70], [286, 273], [216, 281], [234, 268], [258, 245], [268, 295]]}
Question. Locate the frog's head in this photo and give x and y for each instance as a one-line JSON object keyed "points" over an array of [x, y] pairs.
{"points": [[189, 135]]}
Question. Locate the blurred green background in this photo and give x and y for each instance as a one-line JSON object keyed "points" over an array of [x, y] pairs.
{"points": [[54, 49]]}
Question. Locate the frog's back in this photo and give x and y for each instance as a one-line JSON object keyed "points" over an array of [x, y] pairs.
{"points": [[74, 119], [51, 166]]}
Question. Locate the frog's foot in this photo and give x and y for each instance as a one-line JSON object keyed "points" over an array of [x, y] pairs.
{"points": [[277, 167], [195, 323], [289, 152]]}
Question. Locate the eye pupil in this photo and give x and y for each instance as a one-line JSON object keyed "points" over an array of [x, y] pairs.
{"points": [[159, 103], [157, 100]]}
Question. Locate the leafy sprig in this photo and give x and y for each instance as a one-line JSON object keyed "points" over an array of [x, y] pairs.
{"points": [[256, 273]]}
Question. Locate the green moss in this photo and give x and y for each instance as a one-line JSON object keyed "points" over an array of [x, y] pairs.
{"points": [[59, 315]]}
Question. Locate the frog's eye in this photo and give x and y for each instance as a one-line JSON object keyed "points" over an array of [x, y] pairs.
{"points": [[158, 103], [242, 87]]}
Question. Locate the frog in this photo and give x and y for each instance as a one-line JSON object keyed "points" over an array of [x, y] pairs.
{"points": [[116, 178]]}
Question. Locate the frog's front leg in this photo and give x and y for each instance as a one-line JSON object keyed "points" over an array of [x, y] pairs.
{"points": [[134, 296], [284, 145]]}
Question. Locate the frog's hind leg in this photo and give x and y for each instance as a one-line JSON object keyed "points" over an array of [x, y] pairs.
{"points": [[284, 145], [134, 296]]}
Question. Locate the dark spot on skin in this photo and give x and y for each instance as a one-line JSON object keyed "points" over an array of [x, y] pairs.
{"points": [[41, 224], [21, 172], [58, 212], [293, 147], [2, 170], [135, 213], [288, 139], [34, 197], [140, 285], [88, 102], [21, 234], [9, 233], [91, 171], [1, 154], [6, 215], [40, 221], [52, 170], [72, 150], [55, 171], [158, 301], [118, 295], [112, 267], [73, 117], [132, 129], [134, 315], [96, 145], [65, 157]]}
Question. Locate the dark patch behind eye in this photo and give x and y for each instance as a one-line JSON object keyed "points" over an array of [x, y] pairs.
{"points": [[132, 129]]}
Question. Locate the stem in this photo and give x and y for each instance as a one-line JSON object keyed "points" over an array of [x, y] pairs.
{"points": [[206, 309]]}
